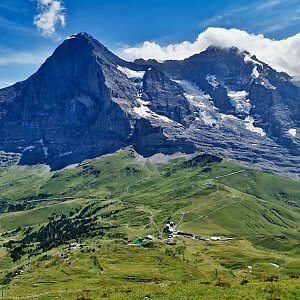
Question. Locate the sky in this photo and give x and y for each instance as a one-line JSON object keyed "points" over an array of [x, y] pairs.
{"points": [[161, 29]]}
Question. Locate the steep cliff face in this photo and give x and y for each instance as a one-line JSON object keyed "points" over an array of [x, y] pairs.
{"points": [[64, 112], [165, 96], [85, 101], [79, 104], [233, 91], [241, 85]]}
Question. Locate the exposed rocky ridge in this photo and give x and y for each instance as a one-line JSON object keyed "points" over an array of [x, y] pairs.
{"points": [[85, 101]]}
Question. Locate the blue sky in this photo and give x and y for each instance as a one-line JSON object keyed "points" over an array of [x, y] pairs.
{"points": [[32, 29]]}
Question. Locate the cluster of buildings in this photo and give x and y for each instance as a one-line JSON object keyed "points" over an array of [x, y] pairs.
{"points": [[170, 228]]}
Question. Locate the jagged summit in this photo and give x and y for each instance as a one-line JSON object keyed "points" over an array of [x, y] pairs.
{"points": [[85, 101], [82, 42], [78, 35]]}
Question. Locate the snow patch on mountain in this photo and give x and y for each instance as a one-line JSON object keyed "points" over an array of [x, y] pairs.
{"points": [[65, 153], [239, 101], [28, 148], [292, 132], [249, 59], [189, 87], [74, 36], [212, 80], [45, 149], [262, 80], [70, 37], [131, 73], [145, 112], [225, 117], [201, 102], [255, 73], [142, 102], [266, 83], [249, 125]]}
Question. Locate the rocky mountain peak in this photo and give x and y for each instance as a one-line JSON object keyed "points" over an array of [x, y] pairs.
{"points": [[81, 45], [79, 35], [85, 101]]}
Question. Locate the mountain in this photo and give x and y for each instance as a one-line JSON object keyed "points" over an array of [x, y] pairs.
{"points": [[84, 102]]}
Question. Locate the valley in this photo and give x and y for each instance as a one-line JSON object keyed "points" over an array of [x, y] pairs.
{"points": [[74, 233]]}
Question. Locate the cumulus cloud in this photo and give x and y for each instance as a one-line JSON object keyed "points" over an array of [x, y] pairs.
{"points": [[282, 55], [51, 13]]}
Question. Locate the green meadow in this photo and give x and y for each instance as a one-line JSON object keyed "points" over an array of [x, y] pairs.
{"points": [[104, 205]]}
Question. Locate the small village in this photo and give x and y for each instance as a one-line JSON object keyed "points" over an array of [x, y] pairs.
{"points": [[170, 229]]}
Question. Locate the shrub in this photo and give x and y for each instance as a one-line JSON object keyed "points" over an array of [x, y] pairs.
{"points": [[244, 281], [222, 282]]}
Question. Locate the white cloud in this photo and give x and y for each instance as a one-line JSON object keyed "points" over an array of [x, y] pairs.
{"points": [[19, 28], [262, 16], [282, 55], [24, 58], [4, 83], [51, 13]]}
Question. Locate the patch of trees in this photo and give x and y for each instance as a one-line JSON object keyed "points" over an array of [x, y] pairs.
{"points": [[112, 213], [7, 279], [89, 170], [10, 207], [132, 169], [58, 232], [91, 210]]}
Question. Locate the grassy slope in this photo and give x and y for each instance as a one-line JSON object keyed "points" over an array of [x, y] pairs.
{"points": [[251, 206]]}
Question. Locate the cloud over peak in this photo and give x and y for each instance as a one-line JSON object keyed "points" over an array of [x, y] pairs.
{"points": [[51, 13], [282, 55]]}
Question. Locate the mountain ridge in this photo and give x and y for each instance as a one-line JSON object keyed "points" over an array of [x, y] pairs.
{"points": [[85, 101]]}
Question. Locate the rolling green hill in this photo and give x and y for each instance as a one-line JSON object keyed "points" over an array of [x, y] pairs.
{"points": [[104, 205]]}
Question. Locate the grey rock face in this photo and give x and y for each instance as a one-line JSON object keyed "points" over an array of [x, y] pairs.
{"points": [[165, 96], [64, 112], [85, 101]]}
